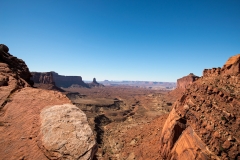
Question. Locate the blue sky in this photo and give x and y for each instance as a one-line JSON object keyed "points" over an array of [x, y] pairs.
{"points": [[155, 40]]}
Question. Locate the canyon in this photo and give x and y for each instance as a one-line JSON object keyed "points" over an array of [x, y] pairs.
{"points": [[45, 115]]}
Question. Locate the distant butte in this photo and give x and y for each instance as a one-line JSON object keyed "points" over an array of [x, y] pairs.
{"points": [[184, 82], [95, 84], [58, 80]]}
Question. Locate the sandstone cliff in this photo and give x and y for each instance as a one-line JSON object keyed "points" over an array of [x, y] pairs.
{"points": [[33, 121], [205, 122]]}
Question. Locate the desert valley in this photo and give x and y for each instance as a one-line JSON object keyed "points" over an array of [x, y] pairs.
{"points": [[44, 115]]}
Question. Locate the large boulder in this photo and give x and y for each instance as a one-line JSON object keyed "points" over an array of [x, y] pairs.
{"points": [[66, 133]]}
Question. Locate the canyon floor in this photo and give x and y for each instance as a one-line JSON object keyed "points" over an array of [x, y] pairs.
{"points": [[126, 120]]}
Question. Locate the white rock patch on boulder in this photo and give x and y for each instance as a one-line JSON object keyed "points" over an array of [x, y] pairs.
{"points": [[66, 133]]}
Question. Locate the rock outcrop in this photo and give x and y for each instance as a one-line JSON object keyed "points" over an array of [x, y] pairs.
{"points": [[231, 67], [25, 115], [205, 122], [184, 82], [16, 66], [14, 74], [95, 84]]}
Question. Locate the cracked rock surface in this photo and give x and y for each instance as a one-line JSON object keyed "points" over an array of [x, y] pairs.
{"points": [[66, 133]]}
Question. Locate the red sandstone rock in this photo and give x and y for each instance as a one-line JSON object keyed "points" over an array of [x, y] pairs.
{"points": [[20, 119], [184, 82], [14, 74], [208, 128], [16, 66], [231, 67]]}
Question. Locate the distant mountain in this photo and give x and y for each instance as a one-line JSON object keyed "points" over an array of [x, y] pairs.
{"points": [[144, 84]]}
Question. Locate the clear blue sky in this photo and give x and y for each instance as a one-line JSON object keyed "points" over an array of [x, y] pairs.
{"points": [[155, 40]]}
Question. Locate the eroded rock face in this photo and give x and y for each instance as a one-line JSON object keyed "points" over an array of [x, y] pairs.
{"points": [[66, 133], [14, 74], [204, 122]]}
